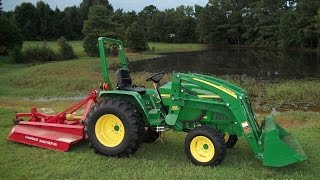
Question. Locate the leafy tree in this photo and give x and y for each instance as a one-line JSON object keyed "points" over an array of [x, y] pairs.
{"points": [[307, 9], [135, 38], [145, 20], [27, 18], [86, 4], [212, 23], [317, 19], [98, 24], [45, 16], [103, 3], [129, 18], [289, 34], [59, 21], [72, 24], [10, 36], [185, 24], [263, 18], [0, 7]]}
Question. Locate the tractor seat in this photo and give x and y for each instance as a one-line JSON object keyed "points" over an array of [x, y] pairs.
{"points": [[125, 82]]}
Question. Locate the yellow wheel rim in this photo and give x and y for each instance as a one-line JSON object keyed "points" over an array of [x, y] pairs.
{"points": [[109, 130], [226, 137], [202, 149]]}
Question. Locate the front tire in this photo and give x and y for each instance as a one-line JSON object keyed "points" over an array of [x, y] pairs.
{"points": [[205, 146], [115, 128]]}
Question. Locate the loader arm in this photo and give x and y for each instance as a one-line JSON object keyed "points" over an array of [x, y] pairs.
{"points": [[269, 142]]}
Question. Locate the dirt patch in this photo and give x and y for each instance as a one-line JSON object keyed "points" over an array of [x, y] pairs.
{"points": [[297, 123]]}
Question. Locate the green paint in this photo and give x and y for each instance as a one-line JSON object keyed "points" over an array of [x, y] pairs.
{"points": [[205, 146], [188, 105], [116, 128]]}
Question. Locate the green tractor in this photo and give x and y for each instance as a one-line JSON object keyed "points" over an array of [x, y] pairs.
{"points": [[213, 112]]}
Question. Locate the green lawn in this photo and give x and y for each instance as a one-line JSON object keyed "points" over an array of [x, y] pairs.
{"points": [[152, 161], [76, 45], [25, 86], [171, 47], [159, 47]]}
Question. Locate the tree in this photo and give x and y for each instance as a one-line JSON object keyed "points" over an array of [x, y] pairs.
{"points": [[99, 23], [0, 7], [10, 36], [86, 4], [145, 20], [317, 19], [135, 38], [289, 34], [46, 21], [185, 24], [27, 18], [212, 27], [72, 24], [307, 9]]}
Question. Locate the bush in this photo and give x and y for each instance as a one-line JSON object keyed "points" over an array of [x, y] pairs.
{"points": [[17, 55], [40, 54], [43, 53], [65, 51]]}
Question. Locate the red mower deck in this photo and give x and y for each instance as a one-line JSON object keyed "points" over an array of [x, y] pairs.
{"points": [[57, 132]]}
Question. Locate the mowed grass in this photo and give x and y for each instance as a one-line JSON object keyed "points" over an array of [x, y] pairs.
{"points": [[172, 47], [158, 160], [158, 47], [57, 85], [76, 45]]}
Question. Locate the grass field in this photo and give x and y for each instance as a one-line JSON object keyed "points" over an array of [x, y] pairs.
{"points": [[159, 47], [52, 86]]}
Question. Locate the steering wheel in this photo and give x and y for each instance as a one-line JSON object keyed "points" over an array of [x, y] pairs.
{"points": [[156, 77]]}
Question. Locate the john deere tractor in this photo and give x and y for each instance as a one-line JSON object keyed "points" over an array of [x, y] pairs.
{"points": [[213, 113]]}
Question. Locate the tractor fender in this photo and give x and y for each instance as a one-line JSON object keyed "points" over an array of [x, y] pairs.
{"points": [[129, 96]]}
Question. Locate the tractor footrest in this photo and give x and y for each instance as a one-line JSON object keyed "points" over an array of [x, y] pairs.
{"points": [[58, 137]]}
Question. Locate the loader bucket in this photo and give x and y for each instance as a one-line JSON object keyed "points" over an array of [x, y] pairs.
{"points": [[279, 147]]}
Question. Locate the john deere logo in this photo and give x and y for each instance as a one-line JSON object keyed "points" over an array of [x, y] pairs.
{"points": [[174, 108]]}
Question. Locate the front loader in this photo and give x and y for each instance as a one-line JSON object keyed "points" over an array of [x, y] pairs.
{"points": [[213, 112]]}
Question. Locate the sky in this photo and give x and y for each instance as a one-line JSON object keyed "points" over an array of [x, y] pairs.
{"points": [[126, 5]]}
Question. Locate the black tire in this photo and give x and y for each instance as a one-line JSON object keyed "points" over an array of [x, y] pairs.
{"points": [[150, 135], [232, 140], [131, 128], [210, 135]]}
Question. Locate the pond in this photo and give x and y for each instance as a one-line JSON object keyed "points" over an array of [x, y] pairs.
{"points": [[266, 64]]}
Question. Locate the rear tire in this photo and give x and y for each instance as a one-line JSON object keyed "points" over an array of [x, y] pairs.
{"points": [[115, 128], [205, 146], [150, 135], [230, 140]]}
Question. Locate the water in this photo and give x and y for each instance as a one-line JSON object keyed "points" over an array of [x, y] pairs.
{"points": [[255, 63]]}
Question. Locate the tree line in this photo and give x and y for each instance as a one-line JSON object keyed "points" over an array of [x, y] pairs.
{"points": [[260, 23]]}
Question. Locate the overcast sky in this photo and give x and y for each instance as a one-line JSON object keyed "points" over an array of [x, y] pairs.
{"points": [[126, 5]]}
